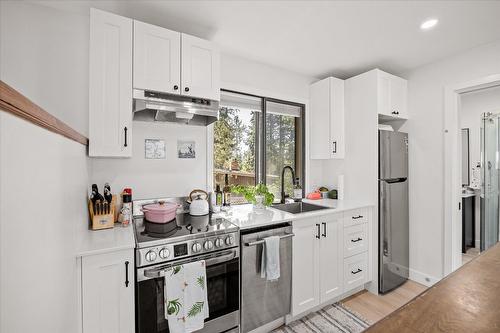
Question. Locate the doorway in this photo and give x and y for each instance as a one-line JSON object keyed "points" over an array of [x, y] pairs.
{"points": [[453, 183], [479, 119]]}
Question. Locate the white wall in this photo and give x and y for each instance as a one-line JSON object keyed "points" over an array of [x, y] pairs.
{"points": [[44, 55], [46, 59], [472, 106], [156, 178], [43, 192], [426, 150]]}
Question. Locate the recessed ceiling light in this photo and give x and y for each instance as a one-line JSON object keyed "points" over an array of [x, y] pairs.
{"points": [[428, 24]]}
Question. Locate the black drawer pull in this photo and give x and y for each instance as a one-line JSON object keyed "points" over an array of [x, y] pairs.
{"points": [[356, 240], [324, 229], [357, 217], [126, 274], [318, 231], [356, 272]]}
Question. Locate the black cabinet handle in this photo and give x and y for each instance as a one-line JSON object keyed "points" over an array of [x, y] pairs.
{"points": [[356, 272], [186, 89], [126, 274], [125, 130], [176, 87], [356, 240], [318, 233], [357, 217], [324, 229], [334, 149]]}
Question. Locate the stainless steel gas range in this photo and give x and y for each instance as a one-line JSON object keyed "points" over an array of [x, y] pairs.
{"points": [[188, 238]]}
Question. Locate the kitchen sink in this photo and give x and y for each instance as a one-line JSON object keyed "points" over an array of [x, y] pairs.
{"points": [[298, 207]]}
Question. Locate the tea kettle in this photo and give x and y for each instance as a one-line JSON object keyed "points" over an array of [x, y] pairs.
{"points": [[199, 203]]}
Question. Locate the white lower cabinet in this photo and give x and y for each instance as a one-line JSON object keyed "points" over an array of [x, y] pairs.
{"points": [[107, 292], [330, 257], [305, 266], [355, 271], [317, 261], [355, 240]]}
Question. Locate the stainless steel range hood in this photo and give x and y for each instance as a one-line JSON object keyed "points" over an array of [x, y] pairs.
{"points": [[157, 106]]}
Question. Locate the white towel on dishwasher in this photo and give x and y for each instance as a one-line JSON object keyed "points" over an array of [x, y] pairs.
{"points": [[186, 301], [270, 262]]}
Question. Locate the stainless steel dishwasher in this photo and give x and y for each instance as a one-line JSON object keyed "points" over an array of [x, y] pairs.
{"points": [[263, 301]]}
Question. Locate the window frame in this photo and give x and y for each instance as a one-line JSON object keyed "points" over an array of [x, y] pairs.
{"points": [[260, 138]]}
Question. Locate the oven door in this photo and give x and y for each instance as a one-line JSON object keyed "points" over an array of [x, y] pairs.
{"points": [[222, 288]]}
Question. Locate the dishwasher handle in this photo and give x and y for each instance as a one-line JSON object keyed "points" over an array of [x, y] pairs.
{"points": [[262, 241]]}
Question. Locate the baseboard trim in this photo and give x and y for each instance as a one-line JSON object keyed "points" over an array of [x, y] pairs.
{"points": [[423, 278]]}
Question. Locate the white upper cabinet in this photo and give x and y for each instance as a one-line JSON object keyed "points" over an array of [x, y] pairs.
{"points": [[392, 95], [110, 85], [327, 139], [157, 58], [200, 74]]}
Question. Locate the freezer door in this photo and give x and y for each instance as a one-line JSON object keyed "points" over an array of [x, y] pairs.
{"points": [[393, 155], [393, 234]]}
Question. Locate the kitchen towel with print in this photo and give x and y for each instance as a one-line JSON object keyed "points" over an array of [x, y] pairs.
{"points": [[186, 302], [270, 262]]}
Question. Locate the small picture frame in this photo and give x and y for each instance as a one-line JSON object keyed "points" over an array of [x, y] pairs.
{"points": [[154, 149], [186, 149]]}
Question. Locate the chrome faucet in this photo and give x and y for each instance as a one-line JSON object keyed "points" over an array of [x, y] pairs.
{"points": [[283, 181]]}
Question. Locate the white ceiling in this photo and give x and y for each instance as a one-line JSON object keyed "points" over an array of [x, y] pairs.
{"points": [[320, 38]]}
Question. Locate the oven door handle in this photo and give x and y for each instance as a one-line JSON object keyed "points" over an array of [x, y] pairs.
{"points": [[209, 261]]}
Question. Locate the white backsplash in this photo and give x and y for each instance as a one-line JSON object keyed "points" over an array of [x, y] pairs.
{"points": [[151, 178]]}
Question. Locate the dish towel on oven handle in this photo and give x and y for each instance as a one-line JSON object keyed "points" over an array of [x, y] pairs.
{"points": [[270, 261], [186, 301]]}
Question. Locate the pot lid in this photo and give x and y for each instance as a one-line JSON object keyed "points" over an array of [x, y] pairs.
{"points": [[161, 206]]}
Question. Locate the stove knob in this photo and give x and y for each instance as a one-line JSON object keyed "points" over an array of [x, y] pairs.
{"points": [[150, 255], [219, 242], [196, 247], [208, 245], [229, 240], [164, 253]]}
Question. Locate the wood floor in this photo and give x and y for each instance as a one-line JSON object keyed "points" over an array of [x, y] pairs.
{"points": [[469, 255], [372, 307]]}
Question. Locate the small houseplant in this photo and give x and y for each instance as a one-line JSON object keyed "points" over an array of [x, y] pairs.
{"points": [[258, 195]]}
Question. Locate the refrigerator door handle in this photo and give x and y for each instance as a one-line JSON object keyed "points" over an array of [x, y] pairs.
{"points": [[384, 217]]}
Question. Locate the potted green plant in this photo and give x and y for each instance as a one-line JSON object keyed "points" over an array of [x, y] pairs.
{"points": [[258, 195]]}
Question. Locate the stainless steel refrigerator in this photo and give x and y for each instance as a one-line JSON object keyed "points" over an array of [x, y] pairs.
{"points": [[393, 213]]}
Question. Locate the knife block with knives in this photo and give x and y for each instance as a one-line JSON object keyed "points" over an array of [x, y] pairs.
{"points": [[102, 214]]}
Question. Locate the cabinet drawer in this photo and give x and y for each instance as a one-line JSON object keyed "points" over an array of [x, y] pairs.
{"points": [[355, 240], [356, 216], [355, 271]]}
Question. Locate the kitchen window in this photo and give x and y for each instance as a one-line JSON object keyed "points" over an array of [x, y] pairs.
{"points": [[254, 138]]}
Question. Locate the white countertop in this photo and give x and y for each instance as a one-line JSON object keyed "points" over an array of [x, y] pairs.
{"points": [[107, 240], [93, 242], [246, 217]]}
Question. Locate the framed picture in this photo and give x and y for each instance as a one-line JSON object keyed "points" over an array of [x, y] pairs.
{"points": [[186, 149], [154, 149]]}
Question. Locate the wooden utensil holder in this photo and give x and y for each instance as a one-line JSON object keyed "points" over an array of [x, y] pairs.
{"points": [[102, 221]]}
